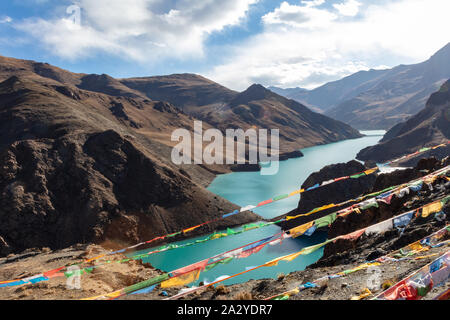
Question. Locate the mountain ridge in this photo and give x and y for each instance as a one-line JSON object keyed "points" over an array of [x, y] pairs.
{"points": [[428, 128], [379, 99]]}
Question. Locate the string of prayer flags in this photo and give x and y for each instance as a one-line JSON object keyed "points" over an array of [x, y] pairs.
{"points": [[310, 231], [290, 257], [435, 236], [420, 283]]}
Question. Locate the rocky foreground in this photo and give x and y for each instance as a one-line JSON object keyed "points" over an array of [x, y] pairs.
{"points": [[338, 256]]}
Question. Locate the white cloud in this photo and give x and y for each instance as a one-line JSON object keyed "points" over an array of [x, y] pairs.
{"points": [[141, 30], [349, 8], [6, 19], [305, 45], [306, 16]]}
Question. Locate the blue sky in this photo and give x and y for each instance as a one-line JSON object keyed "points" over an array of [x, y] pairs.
{"points": [[234, 42]]}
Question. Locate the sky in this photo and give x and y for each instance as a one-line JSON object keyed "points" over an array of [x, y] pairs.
{"points": [[301, 43]]}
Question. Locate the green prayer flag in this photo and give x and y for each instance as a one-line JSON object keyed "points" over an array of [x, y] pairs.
{"points": [[213, 265], [284, 196], [325, 221], [285, 297], [146, 283]]}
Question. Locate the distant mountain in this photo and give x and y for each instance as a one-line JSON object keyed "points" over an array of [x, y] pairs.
{"points": [[333, 93], [396, 94], [428, 128], [89, 165], [255, 107], [377, 99], [185, 91]]}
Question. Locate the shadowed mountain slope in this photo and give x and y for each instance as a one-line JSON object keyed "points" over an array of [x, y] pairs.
{"points": [[428, 128]]}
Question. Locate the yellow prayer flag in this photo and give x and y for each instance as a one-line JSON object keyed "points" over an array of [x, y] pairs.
{"points": [[95, 258], [115, 294], [363, 295], [292, 292], [370, 171], [300, 230], [190, 229], [415, 246], [430, 180], [181, 280], [218, 235], [431, 208], [296, 192], [289, 257]]}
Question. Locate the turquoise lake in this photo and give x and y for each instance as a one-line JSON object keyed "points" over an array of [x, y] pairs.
{"points": [[250, 188]]}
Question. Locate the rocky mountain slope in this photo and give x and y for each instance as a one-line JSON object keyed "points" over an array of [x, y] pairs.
{"points": [[345, 254], [256, 107], [428, 128], [81, 166], [339, 256]]}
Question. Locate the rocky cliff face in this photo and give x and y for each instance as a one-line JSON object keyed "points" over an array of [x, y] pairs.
{"points": [[78, 166], [344, 190], [256, 107], [428, 128], [337, 192], [346, 251]]}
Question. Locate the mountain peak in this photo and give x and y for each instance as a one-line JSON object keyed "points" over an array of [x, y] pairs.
{"points": [[444, 53], [253, 93]]}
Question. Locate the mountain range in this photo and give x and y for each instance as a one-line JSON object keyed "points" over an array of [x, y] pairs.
{"points": [[256, 107], [428, 128], [87, 158], [378, 99]]}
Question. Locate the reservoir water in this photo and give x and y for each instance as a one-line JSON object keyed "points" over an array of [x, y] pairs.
{"points": [[250, 188]]}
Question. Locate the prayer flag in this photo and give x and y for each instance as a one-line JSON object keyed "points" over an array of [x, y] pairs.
{"points": [[181, 280], [431, 208]]}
